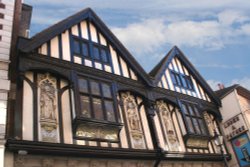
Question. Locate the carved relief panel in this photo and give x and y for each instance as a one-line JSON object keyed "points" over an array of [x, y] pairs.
{"points": [[168, 126], [211, 124], [47, 107], [133, 120]]}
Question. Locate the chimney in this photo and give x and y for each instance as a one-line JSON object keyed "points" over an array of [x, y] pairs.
{"points": [[221, 86], [24, 25]]}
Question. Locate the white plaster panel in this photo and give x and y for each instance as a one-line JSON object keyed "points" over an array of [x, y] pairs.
{"points": [[114, 145], [88, 63], [84, 30], [104, 144], [80, 142], [74, 30], [124, 67], [165, 86], [123, 136], [171, 86], [66, 46], [179, 65], [77, 60], [54, 47], [181, 123], [93, 33], [134, 77], [178, 132], [196, 88], [115, 61], [44, 49], [92, 143], [102, 40], [98, 65], [159, 131], [27, 111], [146, 128], [66, 115], [175, 65], [107, 68]]}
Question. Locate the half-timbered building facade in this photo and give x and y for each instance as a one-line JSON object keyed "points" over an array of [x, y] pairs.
{"points": [[83, 100]]}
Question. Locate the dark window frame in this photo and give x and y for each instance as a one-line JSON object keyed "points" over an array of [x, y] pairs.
{"points": [[101, 96], [81, 42], [195, 115], [182, 80], [91, 45]]}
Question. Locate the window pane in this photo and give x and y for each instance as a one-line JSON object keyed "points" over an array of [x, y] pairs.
{"points": [[95, 89], [173, 78], [189, 82], [85, 112], [190, 125], [184, 81], [83, 85], [97, 106], [77, 47], [197, 111], [202, 126], [110, 111], [196, 126], [191, 111], [178, 79], [85, 49], [184, 107], [104, 55], [106, 90], [96, 53]]}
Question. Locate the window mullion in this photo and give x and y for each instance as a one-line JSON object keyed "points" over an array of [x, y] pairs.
{"points": [[103, 102]]}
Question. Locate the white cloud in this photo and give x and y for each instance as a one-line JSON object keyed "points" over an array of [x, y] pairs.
{"points": [[229, 17], [143, 37], [245, 82], [147, 36], [222, 66]]}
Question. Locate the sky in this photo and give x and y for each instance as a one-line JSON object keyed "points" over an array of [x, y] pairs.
{"points": [[213, 34]]}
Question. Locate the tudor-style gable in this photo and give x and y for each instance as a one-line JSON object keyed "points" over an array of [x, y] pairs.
{"points": [[84, 39], [176, 73]]}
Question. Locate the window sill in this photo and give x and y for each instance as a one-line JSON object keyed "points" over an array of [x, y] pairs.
{"points": [[196, 141], [96, 130]]}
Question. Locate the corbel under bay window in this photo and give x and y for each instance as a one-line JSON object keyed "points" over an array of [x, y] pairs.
{"points": [[197, 134], [97, 117]]}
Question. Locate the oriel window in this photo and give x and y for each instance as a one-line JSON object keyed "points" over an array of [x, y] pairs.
{"points": [[97, 100]]}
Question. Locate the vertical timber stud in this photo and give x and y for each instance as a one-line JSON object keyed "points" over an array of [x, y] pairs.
{"points": [[18, 107], [151, 112]]}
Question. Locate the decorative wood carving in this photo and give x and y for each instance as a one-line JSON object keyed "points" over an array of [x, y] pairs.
{"points": [[210, 123], [168, 126], [134, 122], [19, 161], [48, 163], [48, 108]]}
